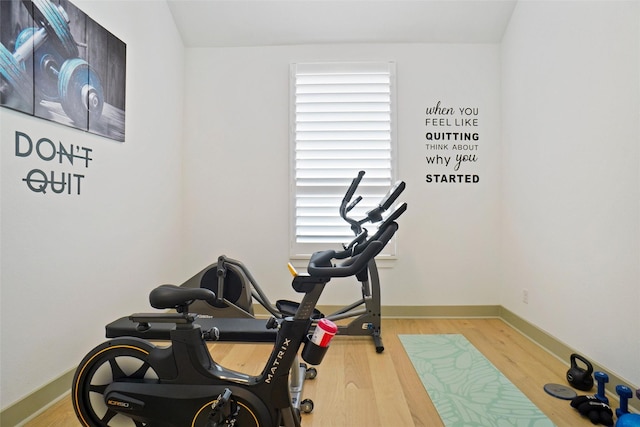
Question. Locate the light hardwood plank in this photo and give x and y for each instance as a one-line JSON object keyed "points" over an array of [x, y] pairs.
{"points": [[358, 387]]}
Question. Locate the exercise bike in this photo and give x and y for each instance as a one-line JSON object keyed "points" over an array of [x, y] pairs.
{"points": [[236, 288], [130, 381]]}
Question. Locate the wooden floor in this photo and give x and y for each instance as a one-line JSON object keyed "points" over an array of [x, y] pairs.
{"points": [[358, 387]]}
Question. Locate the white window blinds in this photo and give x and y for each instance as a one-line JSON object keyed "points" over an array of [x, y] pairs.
{"points": [[342, 122]]}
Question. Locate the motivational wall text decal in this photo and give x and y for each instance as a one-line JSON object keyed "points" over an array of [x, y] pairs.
{"points": [[452, 142], [40, 181]]}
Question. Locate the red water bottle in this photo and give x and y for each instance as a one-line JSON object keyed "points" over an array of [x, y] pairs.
{"points": [[325, 331]]}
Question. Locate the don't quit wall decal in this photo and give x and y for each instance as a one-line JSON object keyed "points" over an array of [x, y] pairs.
{"points": [[452, 141], [61, 166]]}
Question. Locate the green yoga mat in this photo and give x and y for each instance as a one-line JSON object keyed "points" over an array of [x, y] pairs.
{"points": [[466, 389]]}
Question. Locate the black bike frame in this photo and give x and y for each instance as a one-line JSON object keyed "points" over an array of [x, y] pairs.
{"points": [[199, 378], [189, 380]]}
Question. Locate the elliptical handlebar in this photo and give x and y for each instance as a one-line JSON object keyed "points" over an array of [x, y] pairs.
{"points": [[347, 204], [350, 192], [375, 214]]}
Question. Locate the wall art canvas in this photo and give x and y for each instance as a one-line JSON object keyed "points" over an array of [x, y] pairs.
{"points": [[58, 64]]}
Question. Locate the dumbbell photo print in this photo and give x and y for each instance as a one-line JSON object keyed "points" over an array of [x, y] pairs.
{"points": [[58, 64]]}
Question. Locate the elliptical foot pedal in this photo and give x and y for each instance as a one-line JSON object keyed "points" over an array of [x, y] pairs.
{"points": [[289, 308]]}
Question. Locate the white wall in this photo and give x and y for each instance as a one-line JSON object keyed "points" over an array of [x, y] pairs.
{"points": [[237, 168], [558, 197], [72, 263], [571, 229]]}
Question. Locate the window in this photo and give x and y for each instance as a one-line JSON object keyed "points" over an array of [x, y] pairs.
{"points": [[342, 122]]}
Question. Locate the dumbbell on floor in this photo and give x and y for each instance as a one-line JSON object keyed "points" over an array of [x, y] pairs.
{"points": [[602, 379], [625, 394], [625, 418]]}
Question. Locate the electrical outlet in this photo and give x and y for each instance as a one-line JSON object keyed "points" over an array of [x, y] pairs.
{"points": [[525, 296]]}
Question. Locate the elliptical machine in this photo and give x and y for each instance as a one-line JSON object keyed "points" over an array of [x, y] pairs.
{"points": [[366, 312], [130, 381], [236, 288]]}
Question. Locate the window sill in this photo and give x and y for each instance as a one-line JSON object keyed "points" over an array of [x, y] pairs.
{"points": [[382, 261]]}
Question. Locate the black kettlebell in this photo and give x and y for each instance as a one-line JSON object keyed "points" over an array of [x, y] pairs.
{"points": [[580, 378]]}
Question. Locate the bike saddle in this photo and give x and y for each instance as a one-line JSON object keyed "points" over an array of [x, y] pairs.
{"points": [[171, 296]]}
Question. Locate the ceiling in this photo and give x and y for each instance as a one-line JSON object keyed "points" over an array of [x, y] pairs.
{"points": [[233, 23]]}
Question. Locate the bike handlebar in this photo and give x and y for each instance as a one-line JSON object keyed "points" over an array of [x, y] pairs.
{"points": [[392, 195], [375, 214], [320, 264], [379, 235]]}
